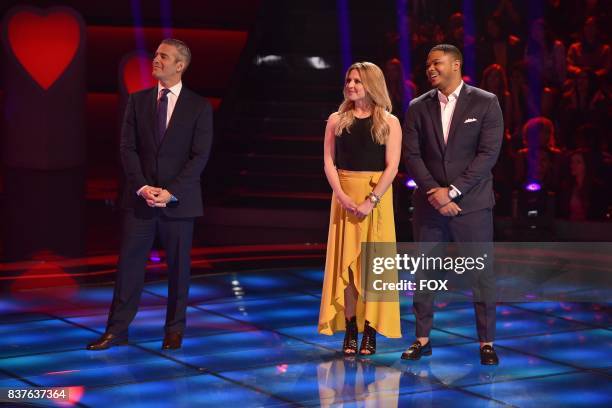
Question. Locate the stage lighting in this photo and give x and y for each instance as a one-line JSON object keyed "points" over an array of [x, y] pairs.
{"points": [[271, 60], [318, 63], [154, 256], [534, 186], [533, 209]]}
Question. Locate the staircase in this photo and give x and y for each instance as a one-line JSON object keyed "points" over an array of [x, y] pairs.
{"points": [[267, 165], [271, 152]]}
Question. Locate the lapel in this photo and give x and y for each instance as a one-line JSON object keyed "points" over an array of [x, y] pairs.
{"points": [[458, 115], [179, 108], [433, 106], [151, 113]]}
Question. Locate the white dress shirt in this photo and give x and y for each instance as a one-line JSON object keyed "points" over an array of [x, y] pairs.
{"points": [[447, 108], [172, 97]]}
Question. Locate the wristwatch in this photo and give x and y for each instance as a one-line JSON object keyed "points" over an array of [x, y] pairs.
{"points": [[374, 199], [452, 193]]}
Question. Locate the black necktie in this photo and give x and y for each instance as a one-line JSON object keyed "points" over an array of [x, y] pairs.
{"points": [[162, 113]]}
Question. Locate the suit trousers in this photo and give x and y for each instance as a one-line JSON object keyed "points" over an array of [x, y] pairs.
{"points": [[429, 226], [176, 236]]}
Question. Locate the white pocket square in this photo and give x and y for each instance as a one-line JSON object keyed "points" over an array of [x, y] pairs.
{"points": [[469, 120]]}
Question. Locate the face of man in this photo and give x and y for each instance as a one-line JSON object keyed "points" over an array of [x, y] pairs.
{"points": [[354, 87], [442, 69], [167, 65]]}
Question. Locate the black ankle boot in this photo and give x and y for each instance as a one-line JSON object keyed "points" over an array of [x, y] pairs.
{"points": [[368, 341], [349, 347]]}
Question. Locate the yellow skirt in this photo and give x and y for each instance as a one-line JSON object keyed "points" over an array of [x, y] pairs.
{"points": [[346, 234]]}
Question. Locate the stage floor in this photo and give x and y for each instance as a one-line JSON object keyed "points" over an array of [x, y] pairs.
{"points": [[252, 341]]}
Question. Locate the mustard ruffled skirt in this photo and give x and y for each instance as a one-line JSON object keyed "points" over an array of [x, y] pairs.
{"points": [[346, 234]]}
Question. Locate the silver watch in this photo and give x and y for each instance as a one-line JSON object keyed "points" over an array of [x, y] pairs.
{"points": [[374, 199]]}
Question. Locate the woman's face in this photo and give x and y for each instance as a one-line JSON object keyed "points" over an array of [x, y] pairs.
{"points": [[577, 166], [353, 87]]}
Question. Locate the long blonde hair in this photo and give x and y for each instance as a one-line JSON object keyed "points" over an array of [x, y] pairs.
{"points": [[373, 81]]}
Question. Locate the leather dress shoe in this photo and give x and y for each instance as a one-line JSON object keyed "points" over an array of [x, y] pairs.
{"points": [[172, 341], [488, 356], [416, 351], [108, 340]]}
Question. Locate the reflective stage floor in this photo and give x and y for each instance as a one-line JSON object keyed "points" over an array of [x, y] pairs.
{"points": [[252, 341]]}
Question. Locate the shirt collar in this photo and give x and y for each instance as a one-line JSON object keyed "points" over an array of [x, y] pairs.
{"points": [[453, 95], [175, 90]]}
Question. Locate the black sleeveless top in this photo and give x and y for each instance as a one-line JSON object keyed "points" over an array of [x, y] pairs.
{"points": [[357, 151]]}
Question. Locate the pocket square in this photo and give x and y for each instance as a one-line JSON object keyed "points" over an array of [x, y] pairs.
{"points": [[469, 120]]}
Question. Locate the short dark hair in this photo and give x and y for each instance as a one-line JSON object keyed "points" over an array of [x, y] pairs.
{"points": [[449, 49], [182, 48]]}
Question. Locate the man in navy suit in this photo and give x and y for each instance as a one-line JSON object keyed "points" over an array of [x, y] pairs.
{"points": [[165, 143], [452, 138]]}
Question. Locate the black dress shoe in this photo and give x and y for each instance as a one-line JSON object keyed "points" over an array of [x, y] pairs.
{"points": [[368, 341], [416, 350], [108, 340], [349, 345], [172, 341], [488, 356]]}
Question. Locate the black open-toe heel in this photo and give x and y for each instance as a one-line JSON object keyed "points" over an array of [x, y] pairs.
{"points": [[349, 347], [368, 342]]}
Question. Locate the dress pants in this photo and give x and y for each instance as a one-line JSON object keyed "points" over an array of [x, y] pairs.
{"points": [[176, 236], [429, 226]]}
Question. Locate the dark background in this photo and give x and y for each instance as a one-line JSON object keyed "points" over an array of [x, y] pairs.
{"points": [[274, 72]]}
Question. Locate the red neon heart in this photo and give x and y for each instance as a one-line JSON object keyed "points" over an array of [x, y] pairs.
{"points": [[137, 74], [44, 44]]}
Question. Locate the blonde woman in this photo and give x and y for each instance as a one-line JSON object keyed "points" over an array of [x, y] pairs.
{"points": [[361, 153]]}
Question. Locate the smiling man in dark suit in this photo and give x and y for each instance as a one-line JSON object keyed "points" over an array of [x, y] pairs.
{"points": [[452, 138], [165, 143]]}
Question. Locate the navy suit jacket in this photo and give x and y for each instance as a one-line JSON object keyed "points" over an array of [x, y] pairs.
{"points": [[174, 164], [473, 146]]}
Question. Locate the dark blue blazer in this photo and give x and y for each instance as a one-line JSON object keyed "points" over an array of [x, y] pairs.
{"points": [[472, 149], [174, 164]]}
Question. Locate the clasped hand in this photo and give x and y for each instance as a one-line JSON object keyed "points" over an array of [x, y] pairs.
{"points": [[156, 196], [360, 211], [439, 199]]}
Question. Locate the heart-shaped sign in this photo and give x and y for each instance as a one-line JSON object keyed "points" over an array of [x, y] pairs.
{"points": [[44, 42], [136, 74]]}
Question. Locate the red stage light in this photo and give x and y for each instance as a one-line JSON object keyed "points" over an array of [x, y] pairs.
{"points": [[45, 282], [75, 392], [137, 74]]}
